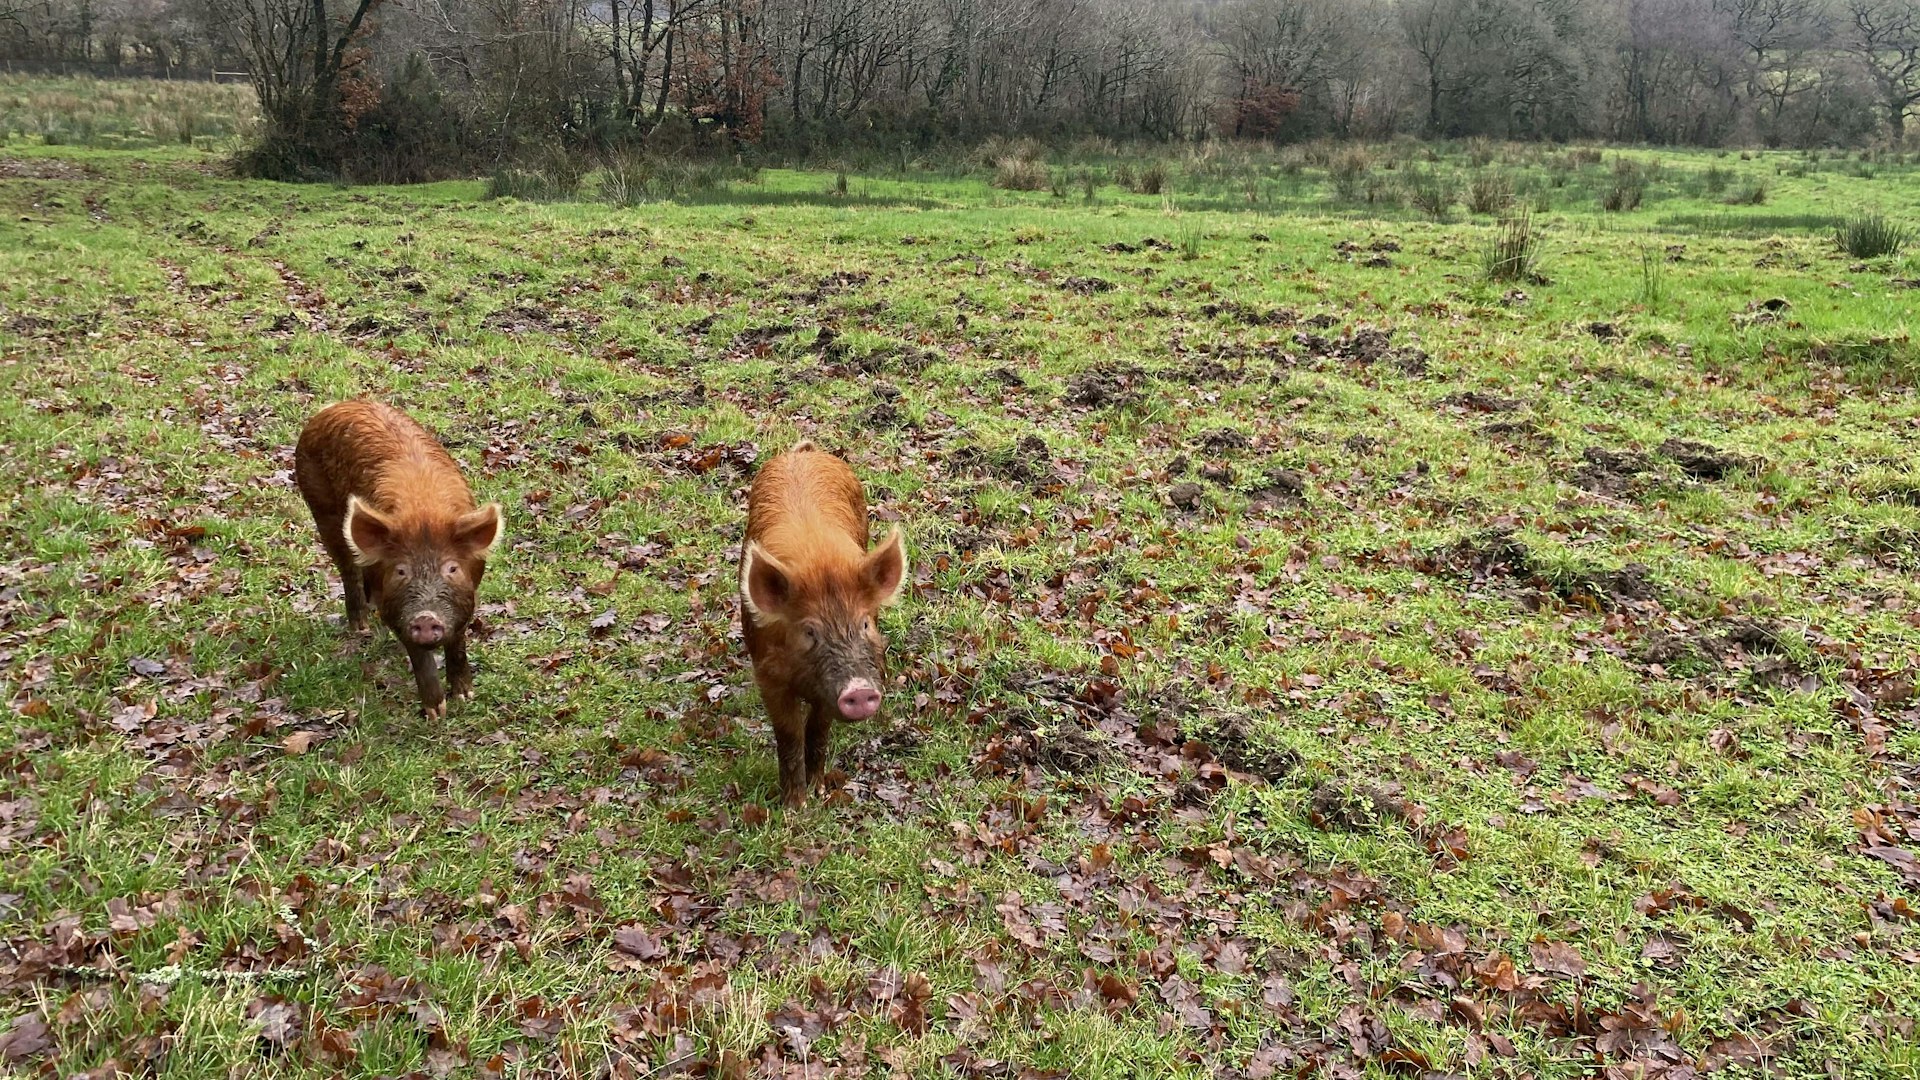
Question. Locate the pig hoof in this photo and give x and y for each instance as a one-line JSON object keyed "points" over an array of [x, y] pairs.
{"points": [[462, 693], [435, 712]]}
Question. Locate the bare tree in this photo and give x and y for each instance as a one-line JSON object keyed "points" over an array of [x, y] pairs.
{"points": [[300, 54], [1885, 35]]}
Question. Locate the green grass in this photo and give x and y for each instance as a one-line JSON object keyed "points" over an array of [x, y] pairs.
{"points": [[1493, 664]]}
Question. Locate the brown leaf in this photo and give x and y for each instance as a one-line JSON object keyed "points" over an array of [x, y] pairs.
{"points": [[298, 743], [1741, 1049], [27, 1038], [1118, 990], [636, 942], [1558, 958], [279, 1020]]}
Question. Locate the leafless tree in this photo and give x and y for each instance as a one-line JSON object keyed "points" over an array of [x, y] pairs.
{"points": [[1885, 35]]}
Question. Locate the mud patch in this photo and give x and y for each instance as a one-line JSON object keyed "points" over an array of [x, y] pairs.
{"points": [[525, 318], [1239, 747], [1480, 401], [1497, 555], [760, 339], [1222, 440], [1605, 331], [884, 414], [1115, 388], [43, 169], [1248, 315], [1704, 462], [1028, 462], [837, 282], [1087, 286], [1362, 345], [1611, 472], [1187, 495], [1282, 487], [1517, 432], [1360, 808]]}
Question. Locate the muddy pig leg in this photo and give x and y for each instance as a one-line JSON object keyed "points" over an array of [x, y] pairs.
{"points": [[819, 744], [459, 674], [789, 717], [351, 581]]}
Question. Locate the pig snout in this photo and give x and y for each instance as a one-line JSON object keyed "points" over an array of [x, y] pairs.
{"points": [[859, 700], [428, 629]]}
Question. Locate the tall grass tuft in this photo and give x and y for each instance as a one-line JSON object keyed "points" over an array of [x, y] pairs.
{"points": [[1870, 236], [1653, 276], [1431, 192], [1348, 173], [1151, 180], [1021, 174], [1489, 192], [1513, 252]]}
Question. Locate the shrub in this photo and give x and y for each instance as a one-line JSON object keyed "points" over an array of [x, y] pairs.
{"points": [[531, 185], [1870, 236], [1513, 253], [1629, 186], [1717, 179], [1151, 180], [1021, 174], [1348, 172], [1431, 192], [626, 180], [1751, 195], [1489, 192], [1584, 155]]}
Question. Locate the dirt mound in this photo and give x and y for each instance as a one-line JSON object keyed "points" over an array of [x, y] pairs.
{"points": [[1498, 555], [1103, 389], [1221, 440], [1282, 487], [1239, 747], [1611, 472], [1087, 286]]}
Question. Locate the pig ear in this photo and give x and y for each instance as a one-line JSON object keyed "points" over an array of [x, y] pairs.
{"points": [[765, 585], [368, 534], [479, 531], [886, 568]]}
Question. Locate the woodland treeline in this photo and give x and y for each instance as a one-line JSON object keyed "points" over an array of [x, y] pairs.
{"points": [[438, 84]]}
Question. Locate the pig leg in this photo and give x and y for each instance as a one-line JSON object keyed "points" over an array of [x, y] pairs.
{"points": [[459, 675], [789, 718], [351, 581], [426, 678], [819, 742]]}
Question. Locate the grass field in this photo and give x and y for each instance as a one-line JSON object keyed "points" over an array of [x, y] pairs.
{"points": [[1321, 660]]}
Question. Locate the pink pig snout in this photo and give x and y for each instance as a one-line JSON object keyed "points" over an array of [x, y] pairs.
{"points": [[859, 700]]}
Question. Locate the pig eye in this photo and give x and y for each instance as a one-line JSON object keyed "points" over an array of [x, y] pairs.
{"points": [[867, 625], [402, 572], [451, 569], [813, 636]]}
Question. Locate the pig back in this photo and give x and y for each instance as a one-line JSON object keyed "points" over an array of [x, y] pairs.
{"points": [[380, 454], [802, 501]]}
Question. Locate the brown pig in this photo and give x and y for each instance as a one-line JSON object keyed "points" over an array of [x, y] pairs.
{"points": [[810, 592], [401, 526]]}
